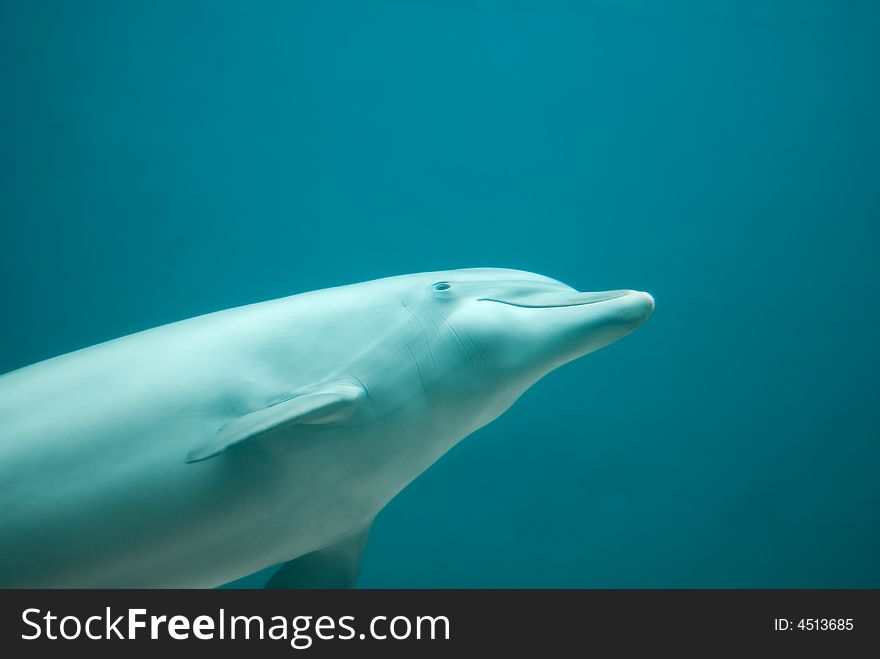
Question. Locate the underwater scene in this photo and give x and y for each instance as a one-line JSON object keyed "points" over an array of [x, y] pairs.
{"points": [[162, 160]]}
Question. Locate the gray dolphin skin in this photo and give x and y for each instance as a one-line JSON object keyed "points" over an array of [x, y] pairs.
{"points": [[199, 452]]}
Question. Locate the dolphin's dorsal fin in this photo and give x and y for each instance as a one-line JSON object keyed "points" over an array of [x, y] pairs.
{"points": [[335, 566], [314, 406]]}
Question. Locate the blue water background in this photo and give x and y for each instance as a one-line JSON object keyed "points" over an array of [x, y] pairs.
{"points": [[163, 159]]}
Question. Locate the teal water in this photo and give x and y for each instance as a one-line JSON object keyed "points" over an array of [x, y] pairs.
{"points": [[165, 159]]}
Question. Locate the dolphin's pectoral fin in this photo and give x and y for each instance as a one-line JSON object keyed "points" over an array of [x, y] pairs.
{"points": [[335, 566], [314, 406]]}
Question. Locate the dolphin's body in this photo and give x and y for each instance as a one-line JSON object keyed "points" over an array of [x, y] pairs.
{"points": [[199, 452]]}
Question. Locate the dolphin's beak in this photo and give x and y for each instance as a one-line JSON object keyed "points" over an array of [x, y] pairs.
{"points": [[581, 322], [558, 324], [544, 299]]}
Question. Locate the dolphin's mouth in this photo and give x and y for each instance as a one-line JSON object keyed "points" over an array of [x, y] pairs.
{"points": [[556, 300]]}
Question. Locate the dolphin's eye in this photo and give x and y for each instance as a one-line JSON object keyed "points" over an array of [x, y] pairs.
{"points": [[442, 286]]}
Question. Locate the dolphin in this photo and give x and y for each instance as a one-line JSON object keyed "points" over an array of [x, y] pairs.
{"points": [[199, 452]]}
